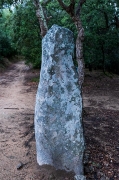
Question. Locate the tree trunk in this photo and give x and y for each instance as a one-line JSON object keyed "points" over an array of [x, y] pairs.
{"points": [[75, 15], [79, 48], [41, 18], [103, 58]]}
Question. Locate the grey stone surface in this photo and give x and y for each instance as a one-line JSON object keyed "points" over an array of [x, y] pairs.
{"points": [[58, 111], [79, 177]]}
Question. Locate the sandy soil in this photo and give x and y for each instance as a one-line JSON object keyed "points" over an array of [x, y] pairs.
{"points": [[16, 101], [17, 143]]}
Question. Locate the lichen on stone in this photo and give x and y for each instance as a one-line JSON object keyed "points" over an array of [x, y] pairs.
{"points": [[58, 110]]}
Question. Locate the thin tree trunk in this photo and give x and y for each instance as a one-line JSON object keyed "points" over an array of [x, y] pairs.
{"points": [[41, 18], [103, 58], [79, 49], [75, 15]]}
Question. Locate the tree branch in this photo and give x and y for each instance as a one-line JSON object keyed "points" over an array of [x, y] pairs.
{"points": [[69, 9], [106, 19], [117, 22], [80, 4], [62, 5], [105, 16], [44, 2]]}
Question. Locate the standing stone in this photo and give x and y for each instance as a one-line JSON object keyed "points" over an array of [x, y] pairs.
{"points": [[58, 111]]}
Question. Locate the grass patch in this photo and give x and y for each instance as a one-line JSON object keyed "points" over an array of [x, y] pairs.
{"points": [[85, 84], [2, 66], [110, 75], [35, 79]]}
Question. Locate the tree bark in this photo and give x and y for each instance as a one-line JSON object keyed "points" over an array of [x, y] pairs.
{"points": [[79, 49], [103, 58], [75, 15], [41, 18], [117, 22]]}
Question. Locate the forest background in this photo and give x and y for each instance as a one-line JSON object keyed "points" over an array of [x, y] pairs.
{"points": [[20, 32]]}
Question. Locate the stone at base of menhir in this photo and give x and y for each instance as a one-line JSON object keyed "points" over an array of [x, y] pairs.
{"points": [[79, 177], [58, 111]]}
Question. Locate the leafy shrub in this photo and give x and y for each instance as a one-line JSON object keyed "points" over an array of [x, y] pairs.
{"points": [[6, 49], [26, 36]]}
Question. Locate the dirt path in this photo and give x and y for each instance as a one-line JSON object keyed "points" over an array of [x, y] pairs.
{"points": [[17, 143], [15, 101]]}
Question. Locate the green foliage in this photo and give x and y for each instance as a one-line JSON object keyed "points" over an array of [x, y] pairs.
{"points": [[26, 37], [101, 35], [6, 49], [99, 22], [59, 16], [5, 46], [35, 79]]}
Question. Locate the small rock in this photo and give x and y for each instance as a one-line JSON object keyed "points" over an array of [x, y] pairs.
{"points": [[104, 178], [20, 165], [51, 177], [95, 175], [91, 168], [79, 177], [86, 169], [27, 118], [99, 166]]}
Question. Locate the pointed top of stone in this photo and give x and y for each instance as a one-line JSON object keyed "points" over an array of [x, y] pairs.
{"points": [[61, 37], [55, 27]]}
